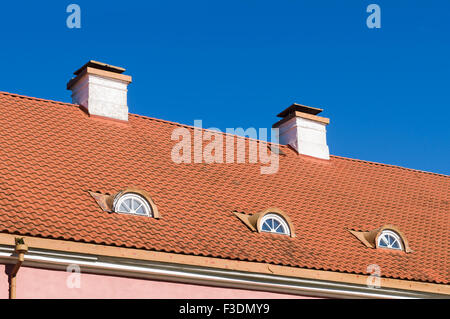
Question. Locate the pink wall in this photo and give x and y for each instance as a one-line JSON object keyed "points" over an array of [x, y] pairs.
{"points": [[43, 283], [4, 285]]}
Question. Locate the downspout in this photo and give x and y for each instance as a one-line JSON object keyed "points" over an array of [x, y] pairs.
{"points": [[21, 250]]}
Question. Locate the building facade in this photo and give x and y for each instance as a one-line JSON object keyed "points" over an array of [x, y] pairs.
{"points": [[96, 202]]}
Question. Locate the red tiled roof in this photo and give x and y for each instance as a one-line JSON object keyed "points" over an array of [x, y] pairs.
{"points": [[52, 153]]}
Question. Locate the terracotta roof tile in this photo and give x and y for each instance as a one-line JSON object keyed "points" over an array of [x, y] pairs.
{"points": [[52, 153]]}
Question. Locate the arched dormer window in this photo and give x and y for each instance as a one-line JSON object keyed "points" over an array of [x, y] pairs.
{"points": [[387, 236], [132, 203], [271, 220], [132, 200], [274, 223], [389, 239]]}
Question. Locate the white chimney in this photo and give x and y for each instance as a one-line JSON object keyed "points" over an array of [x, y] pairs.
{"points": [[101, 89], [306, 132]]}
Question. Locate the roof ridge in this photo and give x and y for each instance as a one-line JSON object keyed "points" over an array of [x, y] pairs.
{"points": [[205, 129], [388, 165], [144, 117], [287, 146], [37, 98], [228, 134]]}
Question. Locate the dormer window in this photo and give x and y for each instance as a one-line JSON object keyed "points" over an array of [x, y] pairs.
{"points": [[273, 223], [131, 203], [389, 239], [132, 200], [386, 237], [271, 220]]}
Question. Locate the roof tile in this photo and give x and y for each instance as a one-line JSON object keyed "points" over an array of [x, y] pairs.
{"points": [[52, 153]]}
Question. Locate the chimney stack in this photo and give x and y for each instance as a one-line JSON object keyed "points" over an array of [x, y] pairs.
{"points": [[301, 128], [101, 89]]}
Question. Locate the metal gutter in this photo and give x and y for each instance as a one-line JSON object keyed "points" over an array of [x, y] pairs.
{"points": [[205, 275]]}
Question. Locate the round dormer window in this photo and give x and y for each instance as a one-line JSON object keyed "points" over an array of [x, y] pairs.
{"points": [[274, 223], [130, 203], [389, 239]]}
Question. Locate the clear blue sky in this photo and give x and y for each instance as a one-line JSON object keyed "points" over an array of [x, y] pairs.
{"points": [[239, 63]]}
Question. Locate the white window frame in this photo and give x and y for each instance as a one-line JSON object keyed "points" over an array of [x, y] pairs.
{"points": [[393, 234], [120, 200], [279, 219]]}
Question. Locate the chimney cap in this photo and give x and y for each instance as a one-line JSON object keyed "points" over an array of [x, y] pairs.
{"points": [[100, 66], [300, 108]]}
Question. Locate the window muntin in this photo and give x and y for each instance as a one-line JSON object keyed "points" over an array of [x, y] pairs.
{"points": [[134, 204], [389, 239], [273, 223]]}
